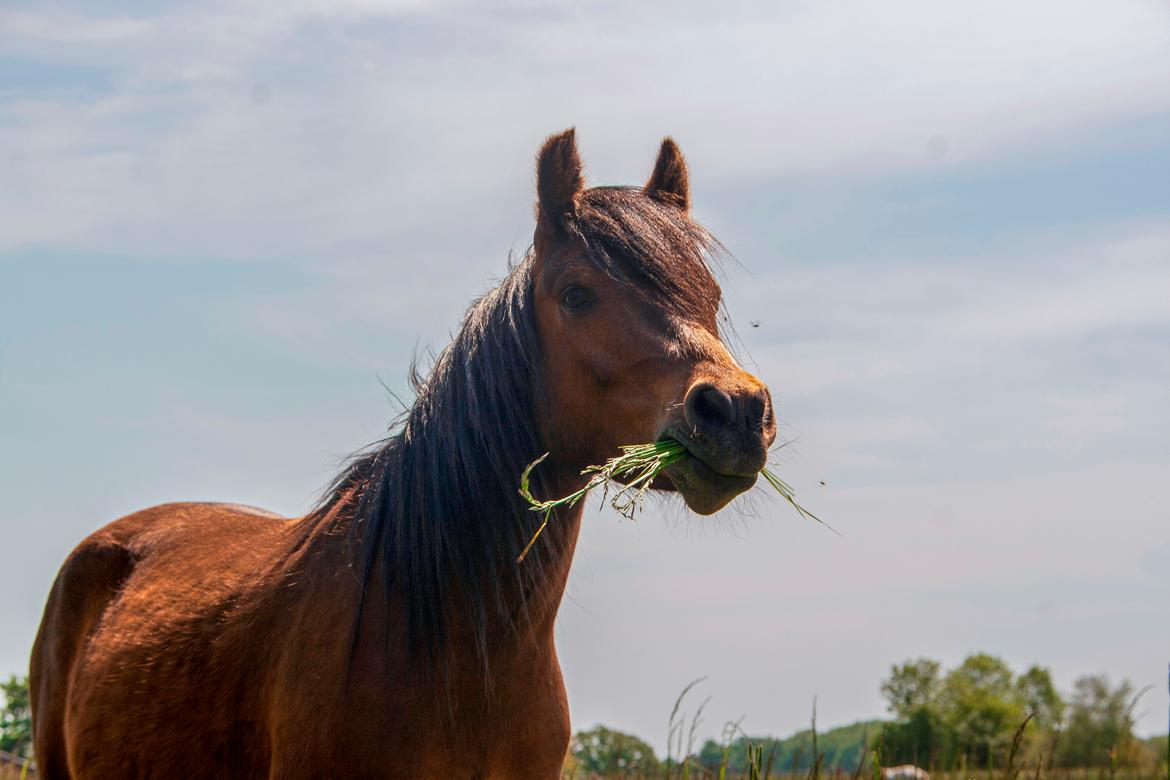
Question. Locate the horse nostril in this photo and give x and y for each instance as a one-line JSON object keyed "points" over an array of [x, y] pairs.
{"points": [[757, 411], [708, 406]]}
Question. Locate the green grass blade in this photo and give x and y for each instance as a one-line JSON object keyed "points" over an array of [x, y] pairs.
{"points": [[785, 490], [639, 464]]}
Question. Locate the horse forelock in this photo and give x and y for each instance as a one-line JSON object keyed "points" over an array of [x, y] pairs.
{"points": [[654, 246]]}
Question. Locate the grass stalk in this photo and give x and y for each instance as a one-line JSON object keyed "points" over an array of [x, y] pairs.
{"points": [[636, 466]]}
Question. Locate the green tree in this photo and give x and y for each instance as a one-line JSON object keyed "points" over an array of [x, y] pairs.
{"points": [[921, 739], [912, 686], [1040, 697], [15, 717], [1100, 723], [911, 692], [612, 753], [981, 706]]}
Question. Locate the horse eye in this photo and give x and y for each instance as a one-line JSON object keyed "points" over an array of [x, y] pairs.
{"points": [[576, 298]]}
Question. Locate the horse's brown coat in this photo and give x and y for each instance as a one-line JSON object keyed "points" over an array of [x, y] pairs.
{"points": [[214, 640]]}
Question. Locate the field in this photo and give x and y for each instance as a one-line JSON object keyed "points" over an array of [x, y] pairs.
{"points": [[1089, 737], [747, 759], [12, 768], [697, 773], [1151, 764]]}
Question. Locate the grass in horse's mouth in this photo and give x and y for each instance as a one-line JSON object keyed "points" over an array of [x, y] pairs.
{"points": [[640, 463]]}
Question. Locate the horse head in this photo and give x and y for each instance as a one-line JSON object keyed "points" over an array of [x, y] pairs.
{"points": [[627, 315]]}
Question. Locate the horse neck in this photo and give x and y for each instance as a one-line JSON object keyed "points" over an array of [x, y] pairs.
{"points": [[530, 605], [543, 600], [521, 632], [434, 518]]}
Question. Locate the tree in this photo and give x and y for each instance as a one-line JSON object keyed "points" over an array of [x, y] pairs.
{"points": [[920, 739], [911, 686], [1100, 723], [911, 692], [971, 713], [981, 706], [612, 753], [1040, 697], [15, 717]]}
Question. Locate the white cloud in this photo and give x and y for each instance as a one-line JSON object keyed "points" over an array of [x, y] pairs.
{"points": [[298, 129], [914, 371], [26, 29], [1114, 283]]}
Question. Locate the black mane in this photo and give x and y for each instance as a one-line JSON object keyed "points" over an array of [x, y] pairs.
{"points": [[436, 501]]}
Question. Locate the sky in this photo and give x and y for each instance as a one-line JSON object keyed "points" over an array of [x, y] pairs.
{"points": [[225, 226]]}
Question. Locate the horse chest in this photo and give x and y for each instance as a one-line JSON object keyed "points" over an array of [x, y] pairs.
{"points": [[382, 717]]}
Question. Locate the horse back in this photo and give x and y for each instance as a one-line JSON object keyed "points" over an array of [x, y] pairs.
{"points": [[152, 598]]}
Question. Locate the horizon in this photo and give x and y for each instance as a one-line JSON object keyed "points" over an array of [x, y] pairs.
{"points": [[699, 697], [225, 226]]}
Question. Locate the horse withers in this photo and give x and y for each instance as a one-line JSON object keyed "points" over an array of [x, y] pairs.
{"points": [[391, 632]]}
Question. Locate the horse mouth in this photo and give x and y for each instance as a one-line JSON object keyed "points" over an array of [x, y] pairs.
{"points": [[705, 489]]}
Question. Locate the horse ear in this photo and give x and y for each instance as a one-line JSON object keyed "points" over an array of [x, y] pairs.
{"points": [[558, 179], [669, 179]]}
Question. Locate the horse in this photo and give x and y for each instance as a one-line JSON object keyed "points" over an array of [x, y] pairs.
{"points": [[391, 631]]}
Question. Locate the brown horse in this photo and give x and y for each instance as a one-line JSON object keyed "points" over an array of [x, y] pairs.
{"points": [[391, 631]]}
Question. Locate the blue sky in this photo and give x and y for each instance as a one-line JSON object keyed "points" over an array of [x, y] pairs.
{"points": [[223, 225]]}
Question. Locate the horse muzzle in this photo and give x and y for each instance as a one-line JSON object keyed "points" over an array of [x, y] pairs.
{"points": [[727, 430]]}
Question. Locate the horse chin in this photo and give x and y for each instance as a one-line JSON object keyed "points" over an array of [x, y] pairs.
{"points": [[704, 489]]}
